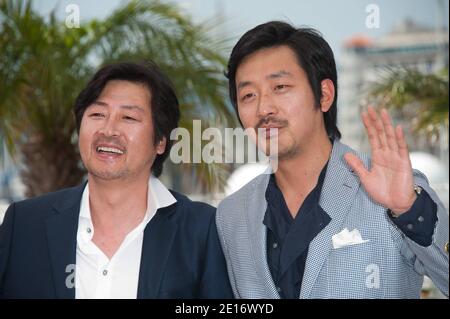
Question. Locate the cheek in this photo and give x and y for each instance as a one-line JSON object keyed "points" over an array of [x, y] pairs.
{"points": [[140, 140], [84, 146], [299, 107], [84, 140], [138, 137], [292, 104], [246, 116]]}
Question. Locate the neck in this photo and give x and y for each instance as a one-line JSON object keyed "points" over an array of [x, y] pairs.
{"points": [[117, 205], [302, 171]]}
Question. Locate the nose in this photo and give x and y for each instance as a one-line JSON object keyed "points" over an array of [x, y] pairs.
{"points": [[110, 127], [266, 105]]}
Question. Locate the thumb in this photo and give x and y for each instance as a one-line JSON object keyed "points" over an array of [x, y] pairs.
{"points": [[357, 165]]}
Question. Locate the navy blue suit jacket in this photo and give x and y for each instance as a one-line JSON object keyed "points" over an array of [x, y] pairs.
{"points": [[181, 253]]}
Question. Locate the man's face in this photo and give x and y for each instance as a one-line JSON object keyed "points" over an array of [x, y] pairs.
{"points": [[273, 92], [116, 135]]}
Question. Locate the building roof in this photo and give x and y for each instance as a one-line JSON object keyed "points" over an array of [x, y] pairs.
{"points": [[358, 41]]}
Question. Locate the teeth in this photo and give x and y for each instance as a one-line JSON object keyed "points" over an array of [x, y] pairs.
{"points": [[109, 150]]}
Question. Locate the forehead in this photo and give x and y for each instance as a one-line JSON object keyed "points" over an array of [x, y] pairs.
{"points": [[125, 91], [268, 61]]}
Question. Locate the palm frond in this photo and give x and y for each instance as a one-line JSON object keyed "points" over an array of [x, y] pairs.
{"points": [[421, 97], [44, 66]]}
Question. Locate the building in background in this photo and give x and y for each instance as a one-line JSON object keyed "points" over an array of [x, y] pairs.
{"points": [[364, 60]]}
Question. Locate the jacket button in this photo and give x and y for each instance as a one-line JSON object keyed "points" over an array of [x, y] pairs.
{"points": [[446, 247]]}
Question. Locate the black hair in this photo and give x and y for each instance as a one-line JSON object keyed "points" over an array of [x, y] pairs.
{"points": [[164, 103], [313, 53]]}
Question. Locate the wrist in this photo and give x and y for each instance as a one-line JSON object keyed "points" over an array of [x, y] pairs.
{"points": [[396, 212]]}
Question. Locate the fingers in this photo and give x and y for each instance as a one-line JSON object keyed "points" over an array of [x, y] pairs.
{"points": [[380, 130], [378, 125], [401, 142], [357, 165], [389, 131], [371, 132]]}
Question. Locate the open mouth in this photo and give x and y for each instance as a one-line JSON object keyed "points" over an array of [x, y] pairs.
{"points": [[109, 150]]}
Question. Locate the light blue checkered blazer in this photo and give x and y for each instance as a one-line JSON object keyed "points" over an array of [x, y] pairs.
{"points": [[389, 265]]}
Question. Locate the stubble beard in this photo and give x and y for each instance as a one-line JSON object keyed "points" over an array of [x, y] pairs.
{"points": [[286, 153], [289, 153], [108, 175]]}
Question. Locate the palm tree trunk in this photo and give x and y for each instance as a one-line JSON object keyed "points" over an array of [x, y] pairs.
{"points": [[39, 176]]}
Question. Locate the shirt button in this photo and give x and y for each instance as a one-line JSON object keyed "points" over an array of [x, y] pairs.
{"points": [[409, 226], [420, 219], [105, 272], [89, 230], [275, 245]]}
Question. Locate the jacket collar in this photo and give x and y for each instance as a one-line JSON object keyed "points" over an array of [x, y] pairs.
{"points": [[62, 230], [61, 234], [159, 235], [339, 189]]}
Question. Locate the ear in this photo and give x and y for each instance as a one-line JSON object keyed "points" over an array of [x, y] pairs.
{"points": [[327, 99], [161, 146]]}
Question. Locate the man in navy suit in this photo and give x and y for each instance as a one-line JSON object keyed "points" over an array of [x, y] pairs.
{"points": [[122, 234]]}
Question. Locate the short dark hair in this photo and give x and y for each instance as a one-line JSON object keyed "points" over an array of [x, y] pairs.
{"points": [[313, 53], [164, 103]]}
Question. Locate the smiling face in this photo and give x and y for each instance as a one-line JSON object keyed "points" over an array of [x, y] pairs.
{"points": [[273, 91], [116, 137]]}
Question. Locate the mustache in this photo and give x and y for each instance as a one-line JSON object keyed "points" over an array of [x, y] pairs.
{"points": [[113, 141], [270, 120]]}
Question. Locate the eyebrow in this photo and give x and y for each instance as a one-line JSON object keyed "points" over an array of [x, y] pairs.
{"points": [[279, 74], [128, 107], [275, 75]]}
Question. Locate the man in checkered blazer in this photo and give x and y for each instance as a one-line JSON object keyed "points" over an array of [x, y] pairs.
{"points": [[326, 221]]}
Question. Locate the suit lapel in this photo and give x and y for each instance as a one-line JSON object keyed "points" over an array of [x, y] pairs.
{"points": [[256, 206], [338, 192], [62, 242], [158, 239]]}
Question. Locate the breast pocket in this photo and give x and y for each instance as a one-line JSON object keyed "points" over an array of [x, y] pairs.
{"points": [[355, 271]]}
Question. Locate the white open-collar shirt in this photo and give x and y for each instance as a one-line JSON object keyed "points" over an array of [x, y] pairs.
{"points": [[96, 275]]}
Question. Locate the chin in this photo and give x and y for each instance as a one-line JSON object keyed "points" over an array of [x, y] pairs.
{"points": [[288, 153], [108, 175]]}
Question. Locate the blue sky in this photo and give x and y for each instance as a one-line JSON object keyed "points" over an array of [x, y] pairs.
{"points": [[336, 19]]}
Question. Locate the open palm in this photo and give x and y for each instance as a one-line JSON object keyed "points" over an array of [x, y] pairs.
{"points": [[390, 180]]}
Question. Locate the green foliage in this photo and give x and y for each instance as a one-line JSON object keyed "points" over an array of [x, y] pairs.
{"points": [[422, 97], [44, 65]]}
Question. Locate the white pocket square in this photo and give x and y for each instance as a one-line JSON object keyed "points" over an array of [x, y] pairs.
{"points": [[347, 238]]}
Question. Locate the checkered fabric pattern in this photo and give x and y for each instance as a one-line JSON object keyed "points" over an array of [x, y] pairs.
{"points": [[388, 265]]}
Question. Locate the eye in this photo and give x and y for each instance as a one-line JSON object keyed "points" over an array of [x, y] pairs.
{"points": [[281, 87], [248, 96], [96, 115], [129, 118]]}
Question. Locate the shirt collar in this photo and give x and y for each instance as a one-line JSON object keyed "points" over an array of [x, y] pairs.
{"points": [[158, 196], [274, 194], [276, 203]]}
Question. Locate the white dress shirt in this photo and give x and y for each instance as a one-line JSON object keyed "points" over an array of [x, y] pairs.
{"points": [[96, 275]]}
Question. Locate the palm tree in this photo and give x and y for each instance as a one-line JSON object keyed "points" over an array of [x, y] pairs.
{"points": [[421, 98], [44, 65]]}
